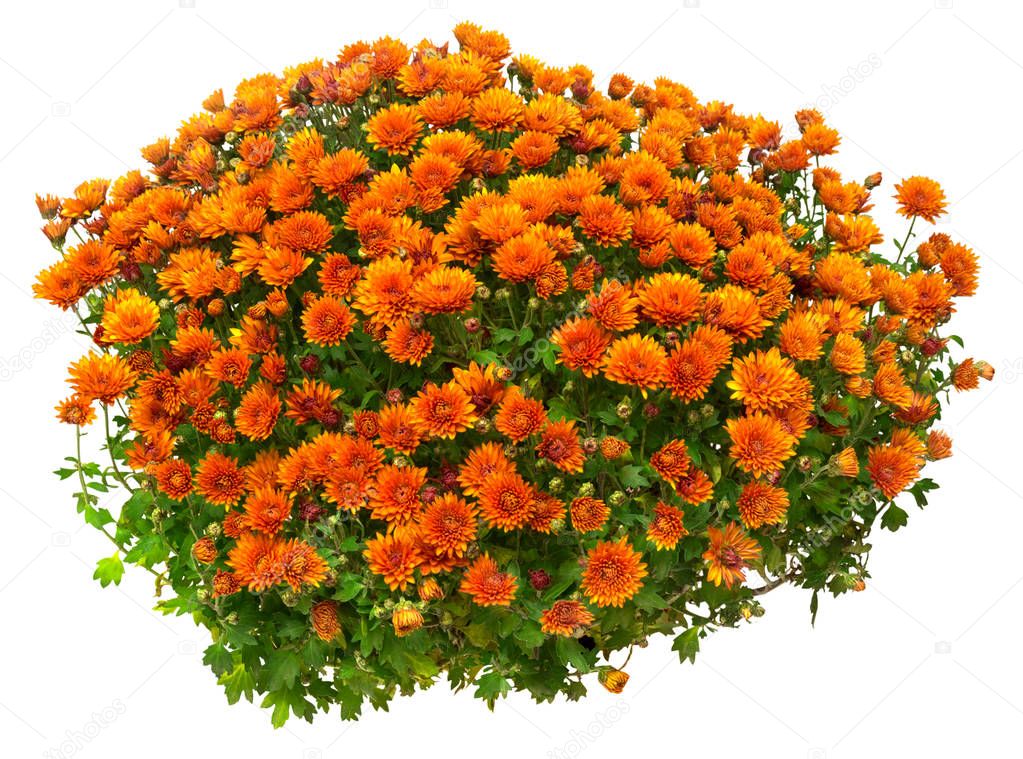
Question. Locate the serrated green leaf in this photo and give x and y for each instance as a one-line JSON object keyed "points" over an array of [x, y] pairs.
{"points": [[109, 570]]}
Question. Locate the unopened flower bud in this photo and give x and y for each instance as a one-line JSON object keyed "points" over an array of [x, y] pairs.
{"points": [[406, 620], [613, 680], [539, 579], [430, 590]]}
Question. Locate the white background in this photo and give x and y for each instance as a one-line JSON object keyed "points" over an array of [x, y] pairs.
{"points": [[926, 662]]}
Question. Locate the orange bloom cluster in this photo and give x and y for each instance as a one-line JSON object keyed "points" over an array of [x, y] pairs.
{"points": [[459, 339]]}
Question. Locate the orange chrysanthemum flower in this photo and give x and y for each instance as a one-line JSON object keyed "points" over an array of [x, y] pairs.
{"points": [[395, 494], [519, 417], [394, 557], [588, 514], [604, 220], [920, 197], [408, 345], [939, 445], [560, 445], [266, 510], [256, 561], [497, 110], [219, 480], [482, 463], [406, 620], [671, 461], [324, 621], [760, 444], [442, 410], [848, 355], [173, 478], [614, 573], [667, 526], [395, 129], [565, 618], [300, 564], [522, 258], [449, 525], [764, 380], [890, 386], [229, 365], [103, 377], [385, 291], [397, 429], [845, 463], [729, 554], [612, 448], [736, 311], [760, 504], [76, 410], [892, 468], [128, 317], [670, 299], [506, 500], [636, 360], [487, 585], [444, 290], [327, 321], [581, 344], [614, 306], [258, 411], [690, 371], [304, 232]]}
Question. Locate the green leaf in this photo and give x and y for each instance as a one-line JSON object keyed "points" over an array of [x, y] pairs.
{"points": [[239, 682], [109, 570], [570, 652], [647, 598], [894, 518], [491, 687], [350, 587], [283, 669], [219, 659], [687, 644], [920, 489], [421, 664], [504, 335], [97, 517], [632, 477], [548, 358], [530, 636]]}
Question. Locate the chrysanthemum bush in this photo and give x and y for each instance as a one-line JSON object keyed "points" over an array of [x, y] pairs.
{"points": [[421, 364]]}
